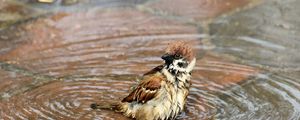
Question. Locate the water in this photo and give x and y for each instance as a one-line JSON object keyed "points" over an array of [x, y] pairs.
{"points": [[55, 65]]}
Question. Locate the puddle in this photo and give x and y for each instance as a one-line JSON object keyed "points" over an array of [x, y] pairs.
{"points": [[56, 65]]}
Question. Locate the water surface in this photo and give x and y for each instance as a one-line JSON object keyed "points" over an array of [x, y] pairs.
{"points": [[54, 65]]}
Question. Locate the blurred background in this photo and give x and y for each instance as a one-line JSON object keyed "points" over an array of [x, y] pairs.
{"points": [[59, 56]]}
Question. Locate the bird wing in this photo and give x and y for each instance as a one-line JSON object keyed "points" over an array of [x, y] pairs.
{"points": [[146, 90], [154, 70]]}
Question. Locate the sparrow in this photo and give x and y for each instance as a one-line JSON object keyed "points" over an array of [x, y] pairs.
{"points": [[162, 92]]}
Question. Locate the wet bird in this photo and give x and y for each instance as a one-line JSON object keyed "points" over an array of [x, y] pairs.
{"points": [[162, 92]]}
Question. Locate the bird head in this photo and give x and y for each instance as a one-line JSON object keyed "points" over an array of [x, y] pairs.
{"points": [[179, 58]]}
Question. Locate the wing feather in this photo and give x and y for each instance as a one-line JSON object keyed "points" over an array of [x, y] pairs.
{"points": [[154, 70], [146, 90]]}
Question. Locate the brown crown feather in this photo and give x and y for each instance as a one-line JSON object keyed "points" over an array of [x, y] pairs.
{"points": [[181, 48]]}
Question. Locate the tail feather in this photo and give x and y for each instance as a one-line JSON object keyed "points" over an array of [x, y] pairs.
{"points": [[107, 106]]}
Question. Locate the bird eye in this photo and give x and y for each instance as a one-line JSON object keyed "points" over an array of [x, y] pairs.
{"points": [[176, 56]]}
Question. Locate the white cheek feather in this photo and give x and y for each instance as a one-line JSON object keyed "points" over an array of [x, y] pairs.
{"points": [[169, 76]]}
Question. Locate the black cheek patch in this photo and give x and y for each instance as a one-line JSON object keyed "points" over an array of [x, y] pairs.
{"points": [[182, 64]]}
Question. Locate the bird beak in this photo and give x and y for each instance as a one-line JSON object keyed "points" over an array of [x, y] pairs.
{"points": [[167, 57]]}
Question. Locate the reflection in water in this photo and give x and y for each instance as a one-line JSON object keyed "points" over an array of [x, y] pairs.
{"points": [[55, 66]]}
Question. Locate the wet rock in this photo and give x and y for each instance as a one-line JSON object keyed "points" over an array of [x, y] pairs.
{"points": [[62, 2], [12, 12], [194, 9], [70, 2], [292, 74], [46, 1], [77, 5], [265, 36]]}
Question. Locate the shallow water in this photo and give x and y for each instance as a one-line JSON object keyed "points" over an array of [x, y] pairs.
{"points": [[55, 65]]}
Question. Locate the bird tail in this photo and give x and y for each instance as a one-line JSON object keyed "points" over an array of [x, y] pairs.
{"points": [[106, 106]]}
